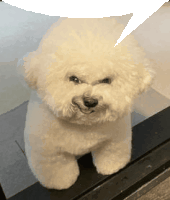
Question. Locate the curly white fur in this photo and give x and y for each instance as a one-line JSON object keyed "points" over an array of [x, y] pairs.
{"points": [[86, 88]]}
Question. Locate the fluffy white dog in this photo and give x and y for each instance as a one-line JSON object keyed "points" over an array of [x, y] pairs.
{"points": [[83, 91]]}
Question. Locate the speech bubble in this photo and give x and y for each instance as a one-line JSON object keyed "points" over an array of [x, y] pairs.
{"points": [[141, 11]]}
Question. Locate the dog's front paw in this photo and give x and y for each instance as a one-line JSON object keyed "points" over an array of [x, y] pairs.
{"points": [[61, 182], [108, 166], [61, 178]]}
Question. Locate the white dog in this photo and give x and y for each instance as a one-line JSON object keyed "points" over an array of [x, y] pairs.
{"points": [[83, 91]]}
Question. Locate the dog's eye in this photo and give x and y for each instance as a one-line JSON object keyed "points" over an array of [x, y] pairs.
{"points": [[74, 79], [106, 80]]}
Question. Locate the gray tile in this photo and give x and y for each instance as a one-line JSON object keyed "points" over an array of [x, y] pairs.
{"points": [[15, 174], [12, 122], [147, 105]]}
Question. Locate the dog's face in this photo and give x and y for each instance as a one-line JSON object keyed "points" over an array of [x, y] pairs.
{"points": [[87, 85], [91, 91], [85, 94]]}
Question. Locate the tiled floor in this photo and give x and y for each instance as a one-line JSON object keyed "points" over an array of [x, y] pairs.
{"points": [[15, 174]]}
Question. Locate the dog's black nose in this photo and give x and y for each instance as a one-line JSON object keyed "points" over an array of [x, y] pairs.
{"points": [[90, 102]]}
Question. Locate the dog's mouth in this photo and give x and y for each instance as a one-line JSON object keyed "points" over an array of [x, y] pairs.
{"points": [[87, 111]]}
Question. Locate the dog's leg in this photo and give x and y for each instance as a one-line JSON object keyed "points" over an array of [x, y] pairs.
{"points": [[54, 172], [112, 157], [116, 153]]}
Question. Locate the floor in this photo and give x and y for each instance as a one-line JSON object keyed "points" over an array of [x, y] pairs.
{"points": [[160, 192]]}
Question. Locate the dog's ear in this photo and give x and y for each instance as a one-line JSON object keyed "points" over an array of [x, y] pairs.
{"points": [[27, 72]]}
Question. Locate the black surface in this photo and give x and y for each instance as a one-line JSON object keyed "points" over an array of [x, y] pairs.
{"points": [[2, 195], [150, 155]]}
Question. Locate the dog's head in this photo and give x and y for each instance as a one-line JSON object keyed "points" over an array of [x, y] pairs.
{"points": [[82, 77]]}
